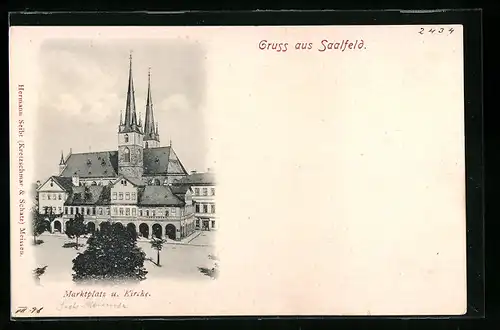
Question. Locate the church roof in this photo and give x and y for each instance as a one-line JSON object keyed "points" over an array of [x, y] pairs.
{"points": [[161, 160], [158, 196], [157, 161], [92, 164], [89, 195], [197, 179]]}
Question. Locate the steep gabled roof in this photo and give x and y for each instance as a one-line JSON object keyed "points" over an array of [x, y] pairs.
{"points": [[92, 164], [197, 179], [65, 183], [158, 196]]}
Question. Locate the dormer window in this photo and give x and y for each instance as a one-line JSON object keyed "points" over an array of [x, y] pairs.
{"points": [[89, 161], [51, 184], [126, 138]]}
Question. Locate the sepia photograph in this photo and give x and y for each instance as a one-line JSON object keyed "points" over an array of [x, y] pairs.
{"points": [[125, 208], [183, 171]]}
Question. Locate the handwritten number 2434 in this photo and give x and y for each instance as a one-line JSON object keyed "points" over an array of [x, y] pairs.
{"points": [[436, 31]]}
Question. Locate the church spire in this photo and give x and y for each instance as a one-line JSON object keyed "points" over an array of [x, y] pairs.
{"points": [[61, 162], [130, 123], [149, 121]]}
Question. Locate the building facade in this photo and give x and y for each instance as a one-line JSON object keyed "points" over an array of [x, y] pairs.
{"points": [[141, 185], [203, 190]]}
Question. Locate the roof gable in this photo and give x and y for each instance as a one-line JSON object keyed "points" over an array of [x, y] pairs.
{"points": [[55, 183], [136, 182]]}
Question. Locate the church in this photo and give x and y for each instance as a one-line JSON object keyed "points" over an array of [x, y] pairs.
{"points": [[140, 185]]}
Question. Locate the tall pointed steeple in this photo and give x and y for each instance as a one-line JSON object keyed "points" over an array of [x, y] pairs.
{"points": [[151, 137], [61, 162], [130, 123]]}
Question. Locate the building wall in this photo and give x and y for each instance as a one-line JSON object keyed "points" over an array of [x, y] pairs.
{"points": [[51, 197], [123, 193], [204, 207]]}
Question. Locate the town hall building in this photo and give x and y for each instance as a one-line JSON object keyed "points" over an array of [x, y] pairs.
{"points": [[142, 185]]}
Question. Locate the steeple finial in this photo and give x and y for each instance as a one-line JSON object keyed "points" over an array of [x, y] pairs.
{"points": [[121, 117], [61, 162], [140, 119]]}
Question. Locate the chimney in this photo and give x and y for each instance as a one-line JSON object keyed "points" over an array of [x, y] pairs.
{"points": [[193, 172], [75, 180]]}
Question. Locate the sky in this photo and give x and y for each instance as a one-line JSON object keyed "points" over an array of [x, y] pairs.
{"points": [[83, 90]]}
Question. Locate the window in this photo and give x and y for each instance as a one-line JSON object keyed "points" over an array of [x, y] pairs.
{"points": [[114, 210], [114, 195], [60, 196], [59, 210], [153, 213], [133, 196], [70, 210], [197, 223], [205, 208], [213, 208], [51, 184], [147, 213], [205, 191], [166, 213], [48, 197], [93, 211], [213, 223], [213, 191], [133, 211], [127, 211], [88, 210], [100, 211], [120, 196], [197, 208], [173, 211], [107, 211], [126, 155], [66, 210], [127, 196], [126, 138], [196, 191], [121, 210], [140, 213], [54, 196]]}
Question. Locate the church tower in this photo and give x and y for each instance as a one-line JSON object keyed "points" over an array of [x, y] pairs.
{"points": [[151, 136], [130, 137]]}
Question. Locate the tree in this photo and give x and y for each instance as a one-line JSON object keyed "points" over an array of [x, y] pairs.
{"points": [[38, 224], [75, 228], [111, 254], [157, 244]]}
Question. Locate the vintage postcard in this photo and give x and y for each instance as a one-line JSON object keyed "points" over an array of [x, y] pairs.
{"points": [[237, 170]]}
